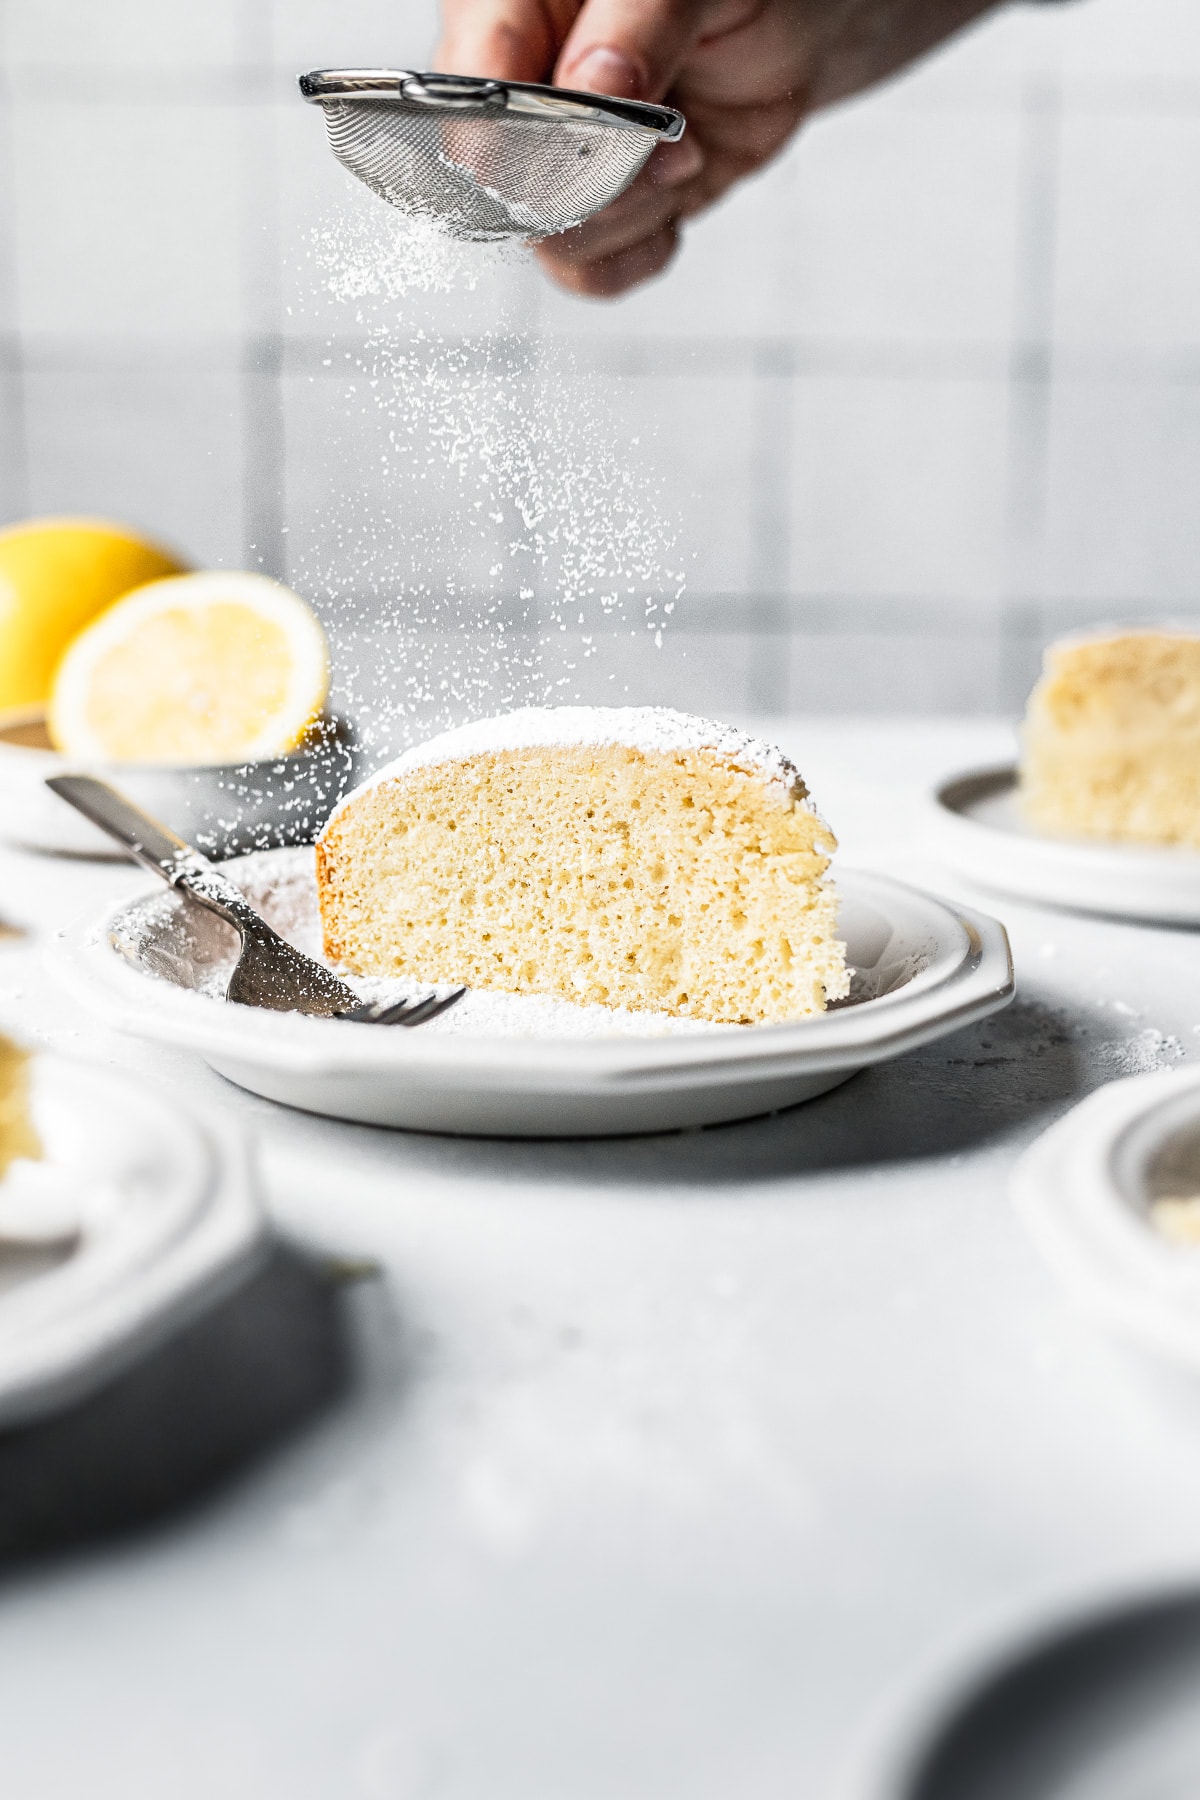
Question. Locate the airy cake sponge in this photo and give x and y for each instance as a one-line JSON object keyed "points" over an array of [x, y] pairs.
{"points": [[1111, 741], [627, 856]]}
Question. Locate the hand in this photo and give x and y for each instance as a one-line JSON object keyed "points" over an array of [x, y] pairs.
{"points": [[744, 72]]}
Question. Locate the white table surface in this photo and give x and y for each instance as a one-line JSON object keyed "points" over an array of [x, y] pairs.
{"points": [[660, 1465]]}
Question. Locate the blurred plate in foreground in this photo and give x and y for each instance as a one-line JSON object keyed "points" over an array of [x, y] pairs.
{"points": [[150, 1217], [1103, 1706], [1111, 1194]]}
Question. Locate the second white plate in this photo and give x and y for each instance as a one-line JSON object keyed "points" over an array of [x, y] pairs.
{"points": [[1087, 1188], [976, 826], [924, 969]]}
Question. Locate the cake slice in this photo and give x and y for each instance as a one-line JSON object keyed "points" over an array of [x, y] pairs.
{"points": [[18, 1138], [1111, 740], [625, 856]]}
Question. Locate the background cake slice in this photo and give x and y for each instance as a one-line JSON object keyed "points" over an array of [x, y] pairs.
{"points": [[1111, 740], [625, 856]]}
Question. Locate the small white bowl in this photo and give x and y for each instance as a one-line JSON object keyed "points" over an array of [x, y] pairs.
{"points": [[976, 826], [1087, 1190], [224, 810]]}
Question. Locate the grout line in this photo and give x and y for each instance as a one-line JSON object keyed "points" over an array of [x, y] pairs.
{"points": [[770, 476], [261, 363], [1031, 382], [263, 458], [768, 615], [66, 353], [14, 422]]}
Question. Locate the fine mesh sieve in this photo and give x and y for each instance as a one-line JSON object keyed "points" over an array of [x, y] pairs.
{"points": [[486, 159]]}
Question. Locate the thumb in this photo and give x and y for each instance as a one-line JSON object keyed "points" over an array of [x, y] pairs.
{"points": [[507, 40], [629, 48]]}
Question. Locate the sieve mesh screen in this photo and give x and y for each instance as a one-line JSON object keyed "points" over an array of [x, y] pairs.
{"points": [[483, 172]]}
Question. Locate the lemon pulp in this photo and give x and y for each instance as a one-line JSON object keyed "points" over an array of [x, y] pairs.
{"points": [[210, 668]]}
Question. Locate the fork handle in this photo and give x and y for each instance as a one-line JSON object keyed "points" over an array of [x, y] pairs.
{"points": [[153, 845]]}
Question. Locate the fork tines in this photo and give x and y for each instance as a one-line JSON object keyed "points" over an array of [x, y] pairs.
{"points": [[404, 1012]]}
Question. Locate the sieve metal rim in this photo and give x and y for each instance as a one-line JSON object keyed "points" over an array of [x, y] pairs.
{"points": [[455, 93]]}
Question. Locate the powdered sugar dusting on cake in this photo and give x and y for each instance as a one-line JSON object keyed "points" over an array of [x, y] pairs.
{"points": [[655, 729]]}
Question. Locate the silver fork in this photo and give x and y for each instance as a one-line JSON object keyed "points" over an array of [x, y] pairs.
{"points": [[269, 971]]}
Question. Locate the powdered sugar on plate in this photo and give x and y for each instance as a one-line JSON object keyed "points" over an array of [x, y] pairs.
{"points": [[170, 939]]}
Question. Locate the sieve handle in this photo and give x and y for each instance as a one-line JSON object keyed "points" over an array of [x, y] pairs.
{"points": [[453, 90]]}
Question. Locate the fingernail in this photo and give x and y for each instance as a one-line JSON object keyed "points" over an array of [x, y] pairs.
{"points": [[606, 71], [673, 164]]}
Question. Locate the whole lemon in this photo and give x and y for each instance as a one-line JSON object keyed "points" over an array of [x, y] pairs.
{"points": [[55, 576]]}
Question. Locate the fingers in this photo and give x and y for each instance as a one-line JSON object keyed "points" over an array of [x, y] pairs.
{"points": [[639, 213], [508, 40], [609, 276], [625, 243], [630, 241], [630, 48]]}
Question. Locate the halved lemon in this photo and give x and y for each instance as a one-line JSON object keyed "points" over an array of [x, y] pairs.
{"points": [[55, 576], [210, 668]]}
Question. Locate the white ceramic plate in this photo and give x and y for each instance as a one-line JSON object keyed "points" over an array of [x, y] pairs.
{"points": [[976, 826], [1093, 1701], [526, 1068], [165, 1220], [1086, 1189]]}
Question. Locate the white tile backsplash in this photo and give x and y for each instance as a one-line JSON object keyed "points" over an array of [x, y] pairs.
{"points": [[8, 248], [693, 437], [121, 34], [900, 673], [707, 672], [897, 486], [400, 684], [159, 449], [1128, 39], [918, 395], [727, 279], [367, 517], [983, 63], [1127, 271], [128, 217], [902, 227], [353, 34], [1123, 522], [14, 498]]}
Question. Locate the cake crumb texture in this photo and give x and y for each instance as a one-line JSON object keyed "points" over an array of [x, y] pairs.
{"points": [[18, 1137], [1111, 739], [663, 879]]}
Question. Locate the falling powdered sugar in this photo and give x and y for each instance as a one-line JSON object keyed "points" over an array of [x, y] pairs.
{"points": [[509, 539]]}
